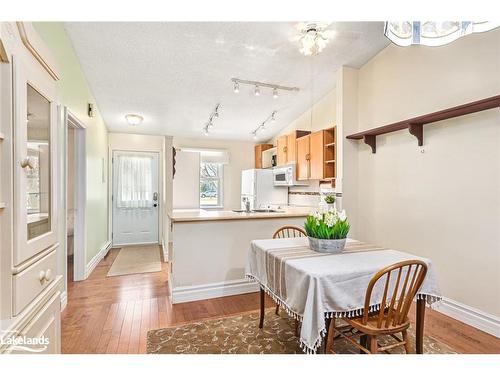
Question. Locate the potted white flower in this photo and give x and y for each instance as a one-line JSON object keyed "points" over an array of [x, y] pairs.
{"points": [[327, 231]]}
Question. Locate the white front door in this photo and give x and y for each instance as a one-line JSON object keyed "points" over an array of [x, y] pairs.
{"points": [[136, 200]]}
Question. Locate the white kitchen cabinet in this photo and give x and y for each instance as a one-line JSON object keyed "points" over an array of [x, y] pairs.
{"points": [[30, 280]]}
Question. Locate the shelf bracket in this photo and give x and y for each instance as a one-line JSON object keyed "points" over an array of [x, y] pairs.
{"points": [[417, 130], [371, 140]]}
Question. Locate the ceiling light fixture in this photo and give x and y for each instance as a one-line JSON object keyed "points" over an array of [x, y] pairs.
{"points": [[214, 115], [313, 37], [258, 85], [432, 33], [262, 127], [134, 119]]}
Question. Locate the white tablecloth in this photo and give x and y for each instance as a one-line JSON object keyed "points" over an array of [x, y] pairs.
{"points": [[311, 286]]}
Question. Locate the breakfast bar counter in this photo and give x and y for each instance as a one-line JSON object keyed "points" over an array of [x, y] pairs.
{"points": [[206, 215], [209, 249]]}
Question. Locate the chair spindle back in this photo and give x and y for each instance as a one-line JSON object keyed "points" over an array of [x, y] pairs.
{"points": [[289, 231], [397, 298]]}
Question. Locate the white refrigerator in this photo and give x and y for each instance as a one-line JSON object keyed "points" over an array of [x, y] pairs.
{"points": [[257, 186]]}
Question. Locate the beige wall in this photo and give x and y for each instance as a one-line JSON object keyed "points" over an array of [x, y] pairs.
{"points": [[443, 202], [241, 156], [74, 92], [323, 116]]}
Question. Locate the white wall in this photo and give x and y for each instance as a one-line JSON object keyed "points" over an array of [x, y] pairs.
{"points": [[241, 156], [444, 203]]}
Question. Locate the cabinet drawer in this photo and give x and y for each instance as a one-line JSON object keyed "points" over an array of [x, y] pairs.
{"points": [[46, 324], [30, 282]]}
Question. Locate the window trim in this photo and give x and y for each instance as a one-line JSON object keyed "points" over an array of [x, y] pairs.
{"points": [[220, 179]]}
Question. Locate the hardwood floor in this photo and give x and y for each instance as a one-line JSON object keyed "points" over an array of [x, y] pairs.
{"points": [[114, 314]]}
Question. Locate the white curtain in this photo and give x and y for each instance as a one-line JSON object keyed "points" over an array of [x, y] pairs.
{"points": [[135, 181]]}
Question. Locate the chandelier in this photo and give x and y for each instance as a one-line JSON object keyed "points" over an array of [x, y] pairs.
{"points": [[432, 33], [313, 37]]}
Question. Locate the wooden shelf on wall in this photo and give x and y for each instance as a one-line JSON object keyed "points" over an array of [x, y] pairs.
{"points": [[415, 125]]}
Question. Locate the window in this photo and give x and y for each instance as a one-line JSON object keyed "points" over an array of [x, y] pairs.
{"points": [[211, 183]]}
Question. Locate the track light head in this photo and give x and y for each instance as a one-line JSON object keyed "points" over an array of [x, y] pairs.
{"points": [[236, 87], [257, 90], [275, 93]]}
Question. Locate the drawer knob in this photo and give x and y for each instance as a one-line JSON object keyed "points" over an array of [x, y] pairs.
{"points": [[41, 276], [48, 274]]}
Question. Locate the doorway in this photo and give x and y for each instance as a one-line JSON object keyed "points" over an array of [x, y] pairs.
{"points": [[135, 198], [76, 193]]}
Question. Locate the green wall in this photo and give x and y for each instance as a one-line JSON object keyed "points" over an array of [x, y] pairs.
{"points": [[74, 93]]}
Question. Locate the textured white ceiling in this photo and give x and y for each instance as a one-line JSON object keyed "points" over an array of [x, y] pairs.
{"points": [[173, 74]]}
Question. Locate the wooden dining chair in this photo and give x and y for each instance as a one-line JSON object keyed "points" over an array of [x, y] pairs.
{"points": [[289, 231], [392, 318]]}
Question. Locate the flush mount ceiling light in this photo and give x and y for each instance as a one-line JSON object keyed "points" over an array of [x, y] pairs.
{"points": [[258, 85], [432, 33], [213, 115], [262, 127], [134, 119], [313, 37]]}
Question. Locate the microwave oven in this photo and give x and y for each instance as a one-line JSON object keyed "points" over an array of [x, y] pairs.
{"points": [[285, 176]]}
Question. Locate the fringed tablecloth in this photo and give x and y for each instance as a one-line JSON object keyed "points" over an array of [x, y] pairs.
{"points": [[312, 286]]}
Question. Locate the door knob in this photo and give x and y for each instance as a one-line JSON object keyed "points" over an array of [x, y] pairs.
{"points": [[41, 276], [27, 163]]}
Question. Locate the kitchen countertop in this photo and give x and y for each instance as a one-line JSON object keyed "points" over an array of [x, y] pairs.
{"points": [[213, 215]]}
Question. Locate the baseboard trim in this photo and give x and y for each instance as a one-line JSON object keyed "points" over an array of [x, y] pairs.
{"points": [[471, 316], [207, 291], [64, 300], [96, 259]]}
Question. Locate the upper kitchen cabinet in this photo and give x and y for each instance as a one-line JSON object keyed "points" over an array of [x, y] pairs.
{"points": [[258, 154], [34, 160], [286, 145], [316, 156]]}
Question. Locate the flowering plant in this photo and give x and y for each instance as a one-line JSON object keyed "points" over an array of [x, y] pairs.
{"points": [[329, 225]]}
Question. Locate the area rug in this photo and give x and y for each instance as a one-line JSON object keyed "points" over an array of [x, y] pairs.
{"points": [[136, 259], [240, 334]]}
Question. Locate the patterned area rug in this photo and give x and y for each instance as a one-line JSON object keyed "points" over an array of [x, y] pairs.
{"points": [[240, 334]]}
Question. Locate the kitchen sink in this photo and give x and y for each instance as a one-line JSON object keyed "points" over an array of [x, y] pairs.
{"points": [[264, 210]]}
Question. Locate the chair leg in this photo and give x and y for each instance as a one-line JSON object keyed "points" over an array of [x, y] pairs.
{"points": [[277, 312], [373, 344], [408, 346], [363, 341], [331, 337]]}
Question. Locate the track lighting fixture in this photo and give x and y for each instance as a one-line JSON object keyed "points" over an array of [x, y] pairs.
{"points": [[210, 123], [262, 127], [258, 85]]}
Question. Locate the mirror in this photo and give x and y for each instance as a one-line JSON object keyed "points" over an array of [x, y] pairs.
{"points": [[37, 164]]}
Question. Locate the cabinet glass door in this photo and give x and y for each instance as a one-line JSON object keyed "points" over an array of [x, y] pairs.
{"points": [[37, 164]]}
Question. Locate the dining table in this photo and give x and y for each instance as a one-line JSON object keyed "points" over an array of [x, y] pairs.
{"points": [[315, 287]]}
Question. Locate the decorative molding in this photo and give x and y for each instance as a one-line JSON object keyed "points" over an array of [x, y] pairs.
{"points": [[34, 44], [64, 300], [471, 316], [207, 291], [97, 258]]}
